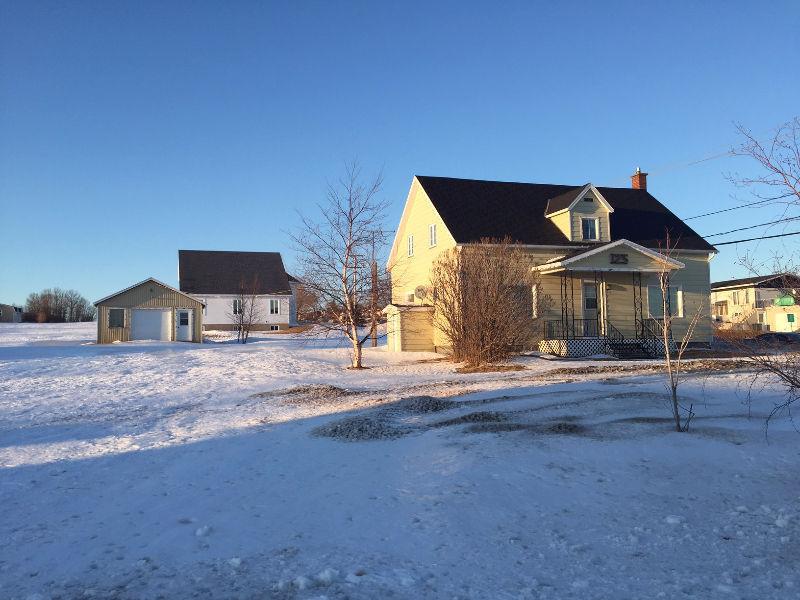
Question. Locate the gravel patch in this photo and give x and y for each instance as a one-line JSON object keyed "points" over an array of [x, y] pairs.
{"points": [[474, 417], [362, 428], [427, 404]]}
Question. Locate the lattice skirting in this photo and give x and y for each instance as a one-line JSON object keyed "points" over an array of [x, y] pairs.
{"points": [[575, 348]]}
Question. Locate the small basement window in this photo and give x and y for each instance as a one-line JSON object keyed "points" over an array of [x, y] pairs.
{"points": [[274, 327], [116, 317]]}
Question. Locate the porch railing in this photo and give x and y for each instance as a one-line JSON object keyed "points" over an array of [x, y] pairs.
{"points": [[572, 329]]}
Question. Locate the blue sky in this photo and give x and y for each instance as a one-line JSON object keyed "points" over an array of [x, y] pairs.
{"points": [[129, 130]]}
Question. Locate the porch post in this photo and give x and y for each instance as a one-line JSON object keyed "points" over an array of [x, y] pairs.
{"points": [[564, 306], [638, 311]]}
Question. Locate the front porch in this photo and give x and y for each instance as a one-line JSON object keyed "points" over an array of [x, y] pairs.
{"points": [[600, 303]]}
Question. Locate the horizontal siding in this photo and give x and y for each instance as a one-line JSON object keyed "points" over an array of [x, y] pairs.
{"points": [[409, 272], [593, 210], [417, 331], [618, 301]]}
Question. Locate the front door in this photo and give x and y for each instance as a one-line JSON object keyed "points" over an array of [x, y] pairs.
{"points": [[591, 310], [183, 325]]}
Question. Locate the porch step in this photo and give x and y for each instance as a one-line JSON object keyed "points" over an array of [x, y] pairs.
{"points": [[629, 349]]}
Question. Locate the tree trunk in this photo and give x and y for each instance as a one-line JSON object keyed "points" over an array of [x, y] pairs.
{"points": [[675, 409], [356, 362]]}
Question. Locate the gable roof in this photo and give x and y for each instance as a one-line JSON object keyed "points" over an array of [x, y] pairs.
{"points": [[569, 199], [224, 272], [760, 281], [574, 257], [473, 209], [148, 280]]}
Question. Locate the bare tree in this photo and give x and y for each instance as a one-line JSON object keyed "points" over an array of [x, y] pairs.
{"points": [[307, 303], [245, 310], [674, 350], [777, 181], [779, 161], [335, 252], [483, 298], [54, 305]]}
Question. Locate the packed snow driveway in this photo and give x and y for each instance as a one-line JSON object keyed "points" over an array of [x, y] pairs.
{"points": [[381, 483]]}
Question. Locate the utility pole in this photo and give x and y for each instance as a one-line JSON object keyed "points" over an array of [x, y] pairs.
{"points": [[374, 296]]}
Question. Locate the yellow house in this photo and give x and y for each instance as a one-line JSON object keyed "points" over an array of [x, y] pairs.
{"points": [[598, 250], [760, 303]]}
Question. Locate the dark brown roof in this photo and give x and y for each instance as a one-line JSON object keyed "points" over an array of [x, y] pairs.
{"points": [[474, 209], [563, 201], [223, 272], [776, 280]]}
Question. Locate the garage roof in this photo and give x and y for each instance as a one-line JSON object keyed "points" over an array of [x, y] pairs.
{"points": [[148, 280]]}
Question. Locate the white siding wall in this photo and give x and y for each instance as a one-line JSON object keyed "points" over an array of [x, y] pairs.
{"points": [[219, 307]]}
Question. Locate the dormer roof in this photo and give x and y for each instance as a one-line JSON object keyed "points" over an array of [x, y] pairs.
{"points": [[568, 200]]}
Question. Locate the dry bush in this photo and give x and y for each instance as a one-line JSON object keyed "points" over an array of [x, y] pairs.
{"points": [[482, 298]]}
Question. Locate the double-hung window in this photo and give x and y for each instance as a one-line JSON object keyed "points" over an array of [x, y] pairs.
{"points": [[432, 235], [411, 245], [589, 228], [655, 301], [237, 306], [274, 306]]}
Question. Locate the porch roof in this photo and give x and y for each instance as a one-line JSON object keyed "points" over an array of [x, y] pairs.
{"points": [[612, 256]]}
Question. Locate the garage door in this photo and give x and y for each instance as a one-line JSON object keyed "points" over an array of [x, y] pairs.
{"points": [[151, 324]]}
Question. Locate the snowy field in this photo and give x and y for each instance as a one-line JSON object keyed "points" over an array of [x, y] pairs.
{"points": [[159, 470]]}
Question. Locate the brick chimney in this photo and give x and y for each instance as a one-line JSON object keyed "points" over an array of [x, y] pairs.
{"points": [[639, 180]]}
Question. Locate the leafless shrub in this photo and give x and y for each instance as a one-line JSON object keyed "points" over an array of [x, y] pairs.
{"points": [[674, 350], [482, 297], [245, 310]]}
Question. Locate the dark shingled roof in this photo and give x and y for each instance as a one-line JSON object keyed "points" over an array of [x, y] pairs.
{"points": [[474, 209], [223, 272], [563, 201], [784, 280]]}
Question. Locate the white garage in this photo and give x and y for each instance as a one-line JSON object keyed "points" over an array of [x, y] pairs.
{"points": [[151, 324]]}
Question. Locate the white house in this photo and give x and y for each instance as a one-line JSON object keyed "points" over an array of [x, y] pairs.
{"points": [[216, 278]]}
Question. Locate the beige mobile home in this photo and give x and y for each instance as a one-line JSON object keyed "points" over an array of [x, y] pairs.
{"points": [[149, 310], [599, 253]]}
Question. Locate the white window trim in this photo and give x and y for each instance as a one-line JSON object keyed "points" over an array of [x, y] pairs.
{"points": [[237, 301], [277, 304], [410, 247], [678, 295], [535, 300], [596, 229], [432, 235]]}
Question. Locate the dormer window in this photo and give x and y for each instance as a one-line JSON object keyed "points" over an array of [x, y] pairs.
{"points": [[589, 228]]}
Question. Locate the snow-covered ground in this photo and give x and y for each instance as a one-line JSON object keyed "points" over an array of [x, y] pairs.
{"points": [[152, 470]]}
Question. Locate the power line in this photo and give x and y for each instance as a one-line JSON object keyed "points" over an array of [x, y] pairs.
{"points": [[752, 226], [716, 212], [765, 237]]}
